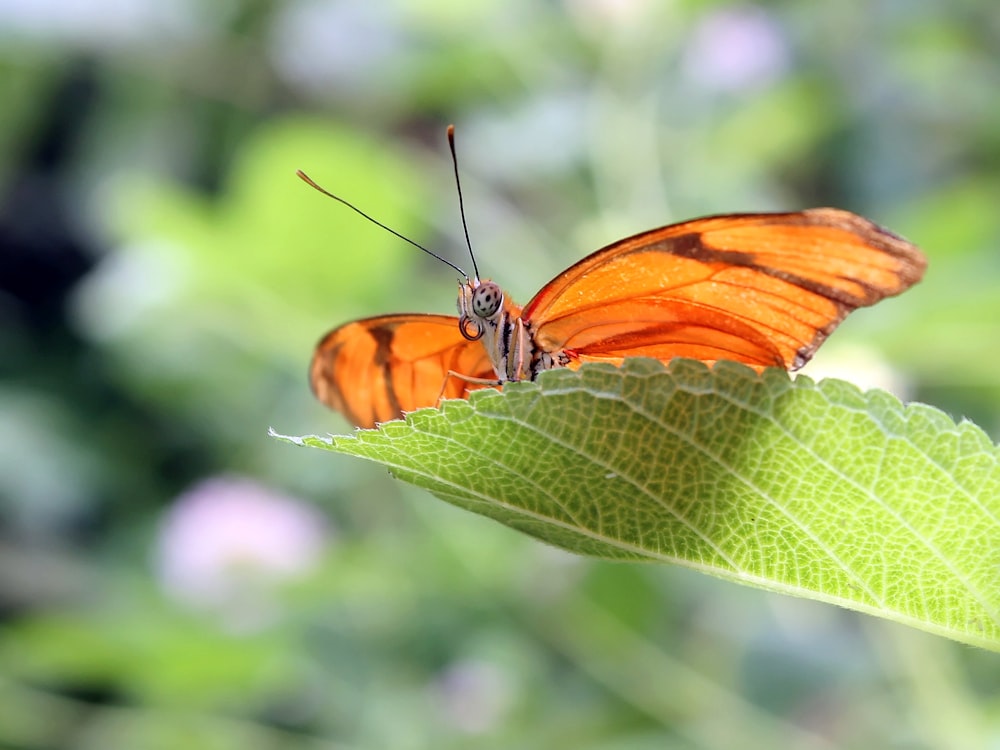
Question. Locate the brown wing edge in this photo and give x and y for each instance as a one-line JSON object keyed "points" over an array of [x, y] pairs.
{"points": [[912, 261], [911, 269]]}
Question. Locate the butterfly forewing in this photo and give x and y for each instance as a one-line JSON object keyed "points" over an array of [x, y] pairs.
{"points": [[763, 289], [375, 369]]}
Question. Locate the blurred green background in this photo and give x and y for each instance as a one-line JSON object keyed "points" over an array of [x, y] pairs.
{"points": [[170, 577]]}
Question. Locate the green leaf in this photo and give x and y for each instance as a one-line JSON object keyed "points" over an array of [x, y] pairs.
{"points": [[814, 490]]}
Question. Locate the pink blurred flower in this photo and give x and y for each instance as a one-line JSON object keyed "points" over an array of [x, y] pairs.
{"points": [[227, 542], [736, 48]]}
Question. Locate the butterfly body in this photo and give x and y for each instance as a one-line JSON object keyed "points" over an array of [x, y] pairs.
{"points": [[487, 314], [762, 289]]}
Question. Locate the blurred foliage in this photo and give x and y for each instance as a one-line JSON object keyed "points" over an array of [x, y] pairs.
{"points": [[164, 276]]}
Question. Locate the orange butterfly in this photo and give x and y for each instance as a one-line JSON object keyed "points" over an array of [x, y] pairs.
{"points": [[764, 289]]}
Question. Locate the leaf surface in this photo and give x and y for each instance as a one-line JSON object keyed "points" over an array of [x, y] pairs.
{"points": [[814, 490]]}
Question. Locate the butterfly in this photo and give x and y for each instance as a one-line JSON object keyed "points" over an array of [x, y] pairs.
{"points": [[764, 289]]}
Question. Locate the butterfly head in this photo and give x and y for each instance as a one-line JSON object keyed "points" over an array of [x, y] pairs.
{"points": [[478, 303]]}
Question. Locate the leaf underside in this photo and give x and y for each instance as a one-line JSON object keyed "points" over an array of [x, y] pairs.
{"points": [[815, 490]]}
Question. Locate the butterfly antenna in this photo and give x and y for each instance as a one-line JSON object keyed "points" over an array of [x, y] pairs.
{"points": [[309, 181], [461, 203]]}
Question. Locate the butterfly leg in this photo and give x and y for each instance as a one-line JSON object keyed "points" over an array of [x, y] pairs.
{"points": [[518, 365], [465, 378]]}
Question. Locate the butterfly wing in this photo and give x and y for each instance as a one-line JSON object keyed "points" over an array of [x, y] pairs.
{"points": [[763, 289], [375, 369]]}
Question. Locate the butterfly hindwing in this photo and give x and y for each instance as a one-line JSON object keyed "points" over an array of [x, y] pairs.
{"points": [[373, 370]]}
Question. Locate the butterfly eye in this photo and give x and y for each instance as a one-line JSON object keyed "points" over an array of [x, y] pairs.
{"points": [[469, 328], [486, 300]]}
